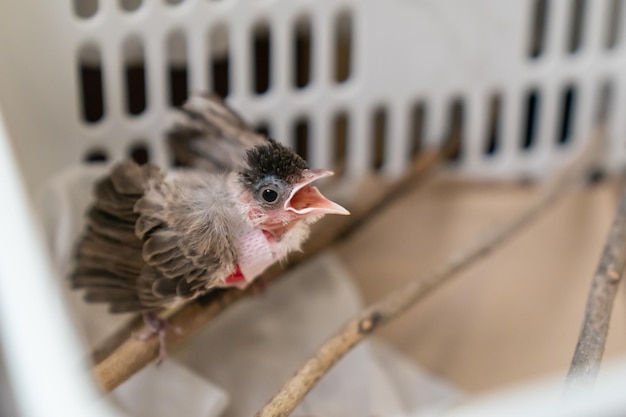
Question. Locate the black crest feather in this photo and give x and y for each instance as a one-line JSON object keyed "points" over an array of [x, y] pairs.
{"points": [[272, 159]]}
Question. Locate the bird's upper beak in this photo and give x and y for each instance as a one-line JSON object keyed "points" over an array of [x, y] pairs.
{"points": [[306, 199]]}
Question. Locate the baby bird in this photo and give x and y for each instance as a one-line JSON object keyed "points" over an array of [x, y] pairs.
{"points": [[156, 239]]}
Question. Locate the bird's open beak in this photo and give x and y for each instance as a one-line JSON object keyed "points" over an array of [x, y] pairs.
{"points": [[306, 199]]}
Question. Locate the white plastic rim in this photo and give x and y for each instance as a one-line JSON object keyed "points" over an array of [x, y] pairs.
{"points": [[42, 351]]}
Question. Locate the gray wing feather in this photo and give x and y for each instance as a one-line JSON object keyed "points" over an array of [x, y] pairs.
{"points": [[210, 136], [159, 240], [111, 227]]}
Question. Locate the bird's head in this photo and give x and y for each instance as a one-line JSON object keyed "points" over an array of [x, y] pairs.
{"points": [[278, 190]]}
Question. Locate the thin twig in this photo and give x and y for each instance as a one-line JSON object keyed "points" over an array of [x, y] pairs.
{"points": [[381, 312], [592, 339], [122, 355]]}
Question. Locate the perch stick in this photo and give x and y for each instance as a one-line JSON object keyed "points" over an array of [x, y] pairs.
{"points": [[590, 346], [122, 355], [399, 300]]}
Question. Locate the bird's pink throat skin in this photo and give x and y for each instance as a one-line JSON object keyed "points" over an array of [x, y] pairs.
{"points": [[305, 200]]}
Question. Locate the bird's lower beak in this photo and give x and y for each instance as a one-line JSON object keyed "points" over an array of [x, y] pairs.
{"points": [[306, 199]]}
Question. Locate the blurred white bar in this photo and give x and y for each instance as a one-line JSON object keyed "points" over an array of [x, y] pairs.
{"points": [[43, 355], [545, 398]]}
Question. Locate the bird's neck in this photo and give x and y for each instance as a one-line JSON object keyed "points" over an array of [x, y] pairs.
{"points": [[278, 230]]}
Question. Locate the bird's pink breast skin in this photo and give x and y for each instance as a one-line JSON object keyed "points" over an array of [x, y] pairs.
{"points": [[256, 253]]}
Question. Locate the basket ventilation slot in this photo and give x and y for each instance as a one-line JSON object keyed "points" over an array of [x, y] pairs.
{"points": [[263, 128], [85, 9], [96, 156], [538, 28], [493, 126], [302, 49], [417, 128], [130, 5], [614, 27], [456, 119], [577, 25], [533, 105], [343, 47], [340, 128], [91, 84], [568, 114], [379, 137], [135, 76], [177, 68], [139, 152], [301, 137], [220, 61], [261, 46]]}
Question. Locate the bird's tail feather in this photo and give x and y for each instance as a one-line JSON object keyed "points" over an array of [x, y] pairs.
{"points": [[108, 256]]}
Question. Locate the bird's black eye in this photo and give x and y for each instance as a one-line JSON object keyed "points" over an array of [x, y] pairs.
{"points": [[269, 195]]}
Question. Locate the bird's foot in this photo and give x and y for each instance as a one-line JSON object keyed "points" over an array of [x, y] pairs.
{"points": [[158, 327]]}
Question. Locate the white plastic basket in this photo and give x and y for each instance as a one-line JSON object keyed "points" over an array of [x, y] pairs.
{"points": [[401, 54], [525, 80]]}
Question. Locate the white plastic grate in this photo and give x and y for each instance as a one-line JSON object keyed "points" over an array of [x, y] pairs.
{"points": [[524, 81]]}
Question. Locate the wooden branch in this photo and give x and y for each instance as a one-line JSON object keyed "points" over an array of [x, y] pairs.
{"points": [[592, 339], [122, 355], [381, 312]]}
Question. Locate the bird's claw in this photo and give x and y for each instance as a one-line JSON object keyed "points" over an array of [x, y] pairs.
{"points": [[157, 326]]}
